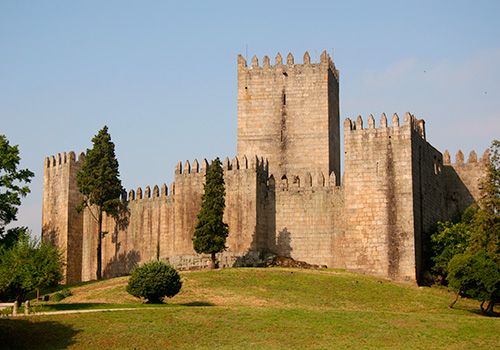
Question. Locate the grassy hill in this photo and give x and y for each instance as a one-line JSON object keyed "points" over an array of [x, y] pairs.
{"points": [[260, 309]]}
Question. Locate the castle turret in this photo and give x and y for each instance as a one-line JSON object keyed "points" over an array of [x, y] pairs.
{"points": [[289, 113], [61, 224], [391, 195]]}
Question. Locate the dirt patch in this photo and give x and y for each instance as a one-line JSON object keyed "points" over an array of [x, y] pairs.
{"points": [[281, 261]]}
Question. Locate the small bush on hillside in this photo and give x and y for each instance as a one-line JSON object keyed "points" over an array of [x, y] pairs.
{"points": [[58, 297], [62, 295], [154, 281]]}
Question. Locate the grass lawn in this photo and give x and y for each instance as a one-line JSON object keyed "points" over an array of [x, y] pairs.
{"points": [[260, 309]]}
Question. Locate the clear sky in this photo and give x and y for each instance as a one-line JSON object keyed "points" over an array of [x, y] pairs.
{"points": [[162, 74]]}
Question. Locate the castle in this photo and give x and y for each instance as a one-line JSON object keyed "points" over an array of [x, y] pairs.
{"points": [[284, 190]]}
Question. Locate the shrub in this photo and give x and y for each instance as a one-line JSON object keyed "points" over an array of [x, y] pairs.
{"points": [[61, 295], [66, 292], [154, 281], [6, 311], [58, 297]]}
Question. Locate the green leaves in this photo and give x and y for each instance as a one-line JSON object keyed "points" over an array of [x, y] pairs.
{"points": [[490, 186], [448, 240], [477, 275], [11, 189], [154, 281], [468, 252], [210, 231], [98, 180], [27, 265]]}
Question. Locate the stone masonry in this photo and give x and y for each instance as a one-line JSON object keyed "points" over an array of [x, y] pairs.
{"points": [[284, 190]]}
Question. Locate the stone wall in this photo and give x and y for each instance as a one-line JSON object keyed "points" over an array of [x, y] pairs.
{"points": [[462, 180], [289, 114], [61, 224], [379, 237], [395, 186], [307, 224], [158, 223]]}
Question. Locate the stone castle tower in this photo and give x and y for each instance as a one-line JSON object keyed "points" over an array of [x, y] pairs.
{"points": [[289, 114], [284, 194]]}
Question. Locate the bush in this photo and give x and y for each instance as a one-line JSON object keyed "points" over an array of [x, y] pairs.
{"points": [[62, 295], [154, 281], [58, 297], [66, 292]]}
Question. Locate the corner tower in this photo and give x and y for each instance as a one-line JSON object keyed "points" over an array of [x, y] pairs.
{"points": [[61, 224], [289, 114]]}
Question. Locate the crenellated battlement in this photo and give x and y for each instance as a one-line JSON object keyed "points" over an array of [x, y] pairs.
{"points": [[310, 180], [472, 160], [290, 61], [195, 169], [156, 193], [64, 158], [237, 163], [409, 120], [283, 193]]}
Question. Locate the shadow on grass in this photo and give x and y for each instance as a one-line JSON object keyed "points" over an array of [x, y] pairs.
{"points": [[197, 303], [479, 313], [28, 334], [80, 306], [97, 306]]}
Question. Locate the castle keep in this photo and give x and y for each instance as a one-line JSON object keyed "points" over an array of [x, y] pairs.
{"points": [[285, 193]]}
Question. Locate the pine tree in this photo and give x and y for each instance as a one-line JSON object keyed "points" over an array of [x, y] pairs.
{"points": [[211, 232], [98, 181]]}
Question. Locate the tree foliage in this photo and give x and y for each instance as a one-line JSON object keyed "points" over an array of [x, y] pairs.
{"points": [[467, 253], [9, 238], [210, 231], [154, 281], [99, 182], [450, 239], [490, 186], [12, 188], [28, 265], [476, 276]]}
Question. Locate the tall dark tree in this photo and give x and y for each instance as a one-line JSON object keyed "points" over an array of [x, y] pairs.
{"points": [[99, 182], [11, 188], [210, 232]]}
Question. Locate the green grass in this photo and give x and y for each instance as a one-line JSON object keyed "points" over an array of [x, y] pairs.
{"points": [[260, 309]]}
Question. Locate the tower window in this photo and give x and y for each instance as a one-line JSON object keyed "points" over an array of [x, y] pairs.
{"points": [[284, 99]]}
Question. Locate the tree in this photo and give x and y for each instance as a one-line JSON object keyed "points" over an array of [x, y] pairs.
{"points": [[154, 280], [12, 235], [490, 186], [476, 276], [28, 265], [210, 232], [98, 181], [468, 252], [11, 187], [449, 239]]}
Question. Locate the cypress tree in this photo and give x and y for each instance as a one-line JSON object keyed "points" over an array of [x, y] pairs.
{"points": [[98, 181], [210, 231]]}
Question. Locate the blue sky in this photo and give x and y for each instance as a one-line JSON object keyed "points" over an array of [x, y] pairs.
{"points": [[162, 74]]}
